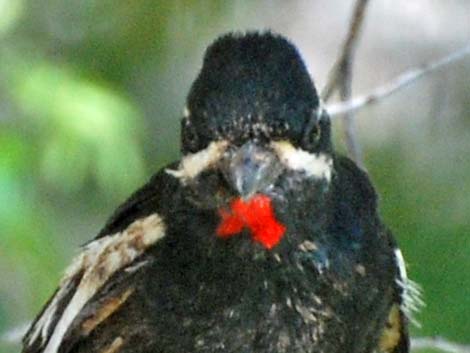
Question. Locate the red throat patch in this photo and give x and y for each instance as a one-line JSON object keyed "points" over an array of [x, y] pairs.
{"points": [[257, 215]]}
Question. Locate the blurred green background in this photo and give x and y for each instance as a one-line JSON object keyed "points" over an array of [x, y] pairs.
{"points": [[91, 93]]}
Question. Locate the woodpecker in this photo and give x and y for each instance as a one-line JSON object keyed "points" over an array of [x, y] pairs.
{"points": [[260, 239]]}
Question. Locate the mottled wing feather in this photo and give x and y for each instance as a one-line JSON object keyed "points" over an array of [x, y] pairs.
{"points": [[41, 327], [395, 336], [119, 247], [96, 315]]}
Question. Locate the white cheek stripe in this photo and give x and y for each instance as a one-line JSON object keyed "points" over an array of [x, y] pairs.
{"points": [[193, 164], [99, 260], [318, 165]]}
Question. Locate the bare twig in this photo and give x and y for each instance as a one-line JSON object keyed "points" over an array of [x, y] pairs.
{"points": [[438, 343], [347, 50], [396, 84], [349, 126], [340, 78]]}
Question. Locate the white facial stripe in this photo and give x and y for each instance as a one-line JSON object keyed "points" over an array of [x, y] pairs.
{"points": [[98, 262], [317, 165], [193, 164]]}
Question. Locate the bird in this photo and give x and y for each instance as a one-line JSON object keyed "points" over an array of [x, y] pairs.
{"points": [[260, 239]]}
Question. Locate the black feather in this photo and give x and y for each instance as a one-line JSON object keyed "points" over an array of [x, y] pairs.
{"points": [[253, 85]]}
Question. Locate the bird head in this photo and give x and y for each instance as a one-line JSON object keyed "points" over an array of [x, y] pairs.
{"points": [[253, 128]]}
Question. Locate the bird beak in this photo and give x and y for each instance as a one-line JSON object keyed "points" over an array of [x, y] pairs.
{"points": [[251, 169]]}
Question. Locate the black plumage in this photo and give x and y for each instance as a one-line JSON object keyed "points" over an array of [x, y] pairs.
{"points": [[333, 283], [250, 81]]}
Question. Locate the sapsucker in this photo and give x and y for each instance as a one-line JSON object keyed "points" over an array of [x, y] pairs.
{"points": [[260, 239]]}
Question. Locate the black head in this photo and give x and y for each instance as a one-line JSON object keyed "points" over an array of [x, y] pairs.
{"points": [[252, 86], [252, 117], [254, 136]]}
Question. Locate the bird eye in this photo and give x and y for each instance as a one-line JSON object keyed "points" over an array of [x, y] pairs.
{"points": [[312, 133], [190, 139], [315, 133]]}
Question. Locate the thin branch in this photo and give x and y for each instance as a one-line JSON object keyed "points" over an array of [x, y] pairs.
{"points": [[438, 343], [349, 46], [349, 126], [340, 79], [396, 84]]}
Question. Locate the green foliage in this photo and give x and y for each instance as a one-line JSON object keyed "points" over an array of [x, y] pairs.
{"points": [[419, 210], [82, 127]]}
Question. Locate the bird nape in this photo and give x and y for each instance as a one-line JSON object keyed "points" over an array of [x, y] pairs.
{"points": [[260, 239]]}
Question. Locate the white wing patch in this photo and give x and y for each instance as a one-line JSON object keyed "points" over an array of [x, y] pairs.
{"points": [[401, 264], [317, 165], [99, 260], [411, 298], [193, 164]]}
